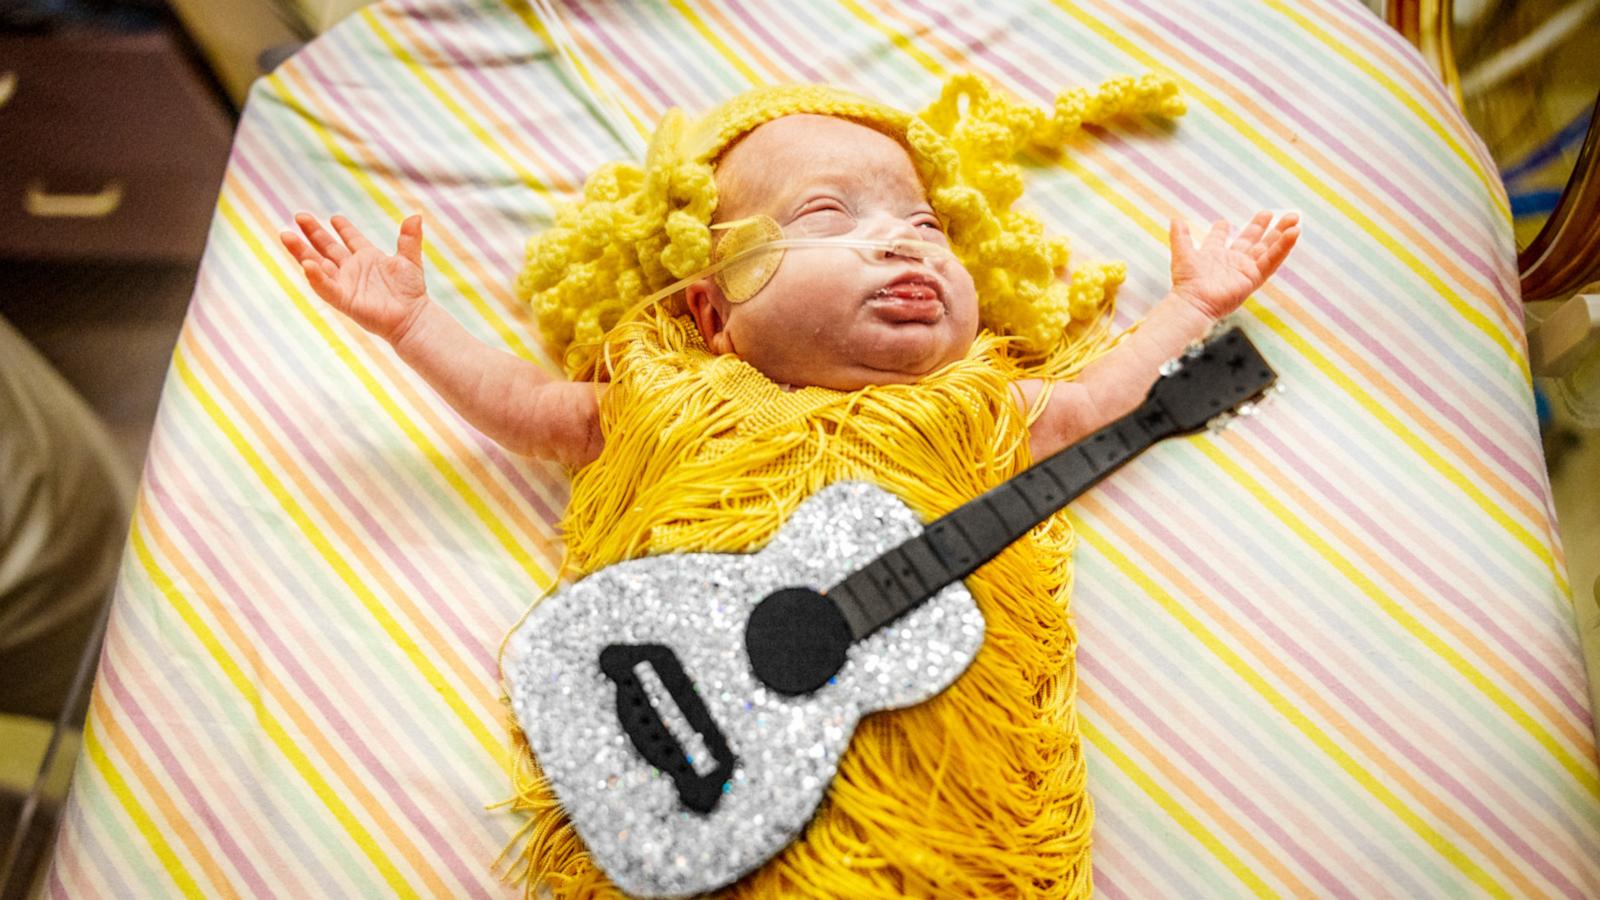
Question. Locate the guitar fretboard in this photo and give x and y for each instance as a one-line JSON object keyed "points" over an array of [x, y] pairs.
{"points": [[955, 545]]}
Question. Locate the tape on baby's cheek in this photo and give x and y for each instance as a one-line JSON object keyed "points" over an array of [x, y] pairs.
{"points": [[745, 278]]}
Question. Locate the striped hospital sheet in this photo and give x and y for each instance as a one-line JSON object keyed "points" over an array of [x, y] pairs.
{"points": [[1328, 653]]}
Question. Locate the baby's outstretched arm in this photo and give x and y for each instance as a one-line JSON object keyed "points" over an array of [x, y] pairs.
{"points": [[511, 400], [1208, 282]]}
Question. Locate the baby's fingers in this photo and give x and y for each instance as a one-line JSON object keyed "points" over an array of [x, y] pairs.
{"points": [[1252, 232], [308, 258], [324, 282], [353, 238], [1289, 222], [410, 243], [1275, 247], [1182, 242], [325, 243], [322, 275], [1217, 237]]}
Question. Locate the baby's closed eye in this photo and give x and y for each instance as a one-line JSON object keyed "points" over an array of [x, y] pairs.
{"points": [[826, 217], [832, 217]]}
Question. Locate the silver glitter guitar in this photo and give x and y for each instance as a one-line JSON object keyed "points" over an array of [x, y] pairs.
{"points": [[690, 710]]}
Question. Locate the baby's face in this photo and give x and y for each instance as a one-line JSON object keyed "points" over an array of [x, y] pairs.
{"points": [[837, 317]]}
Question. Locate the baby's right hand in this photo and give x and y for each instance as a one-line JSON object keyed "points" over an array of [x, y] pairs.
{"points": [[382, 293]]}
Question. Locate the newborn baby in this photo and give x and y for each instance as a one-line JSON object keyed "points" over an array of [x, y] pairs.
{"points": [[710, 416]]}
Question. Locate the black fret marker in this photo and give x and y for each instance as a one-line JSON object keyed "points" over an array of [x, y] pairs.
{"points": [[913, 582], [1068, 467], [874, 602], [934, 574], [1013, 510], [1103, 452], [1036, 482], [950, 544], [891, 586]]}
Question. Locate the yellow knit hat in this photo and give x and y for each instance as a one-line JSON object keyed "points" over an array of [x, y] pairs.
{"points": [[637, 229]]}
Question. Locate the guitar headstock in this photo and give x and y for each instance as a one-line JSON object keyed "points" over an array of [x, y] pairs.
{"points": [[1212, 381]]}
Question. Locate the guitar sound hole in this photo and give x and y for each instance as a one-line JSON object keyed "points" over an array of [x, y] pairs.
{"points": [[796, 639]]}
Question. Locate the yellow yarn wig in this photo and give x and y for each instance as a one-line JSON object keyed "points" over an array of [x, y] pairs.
{"points": [[979, 792], [637, 229]]}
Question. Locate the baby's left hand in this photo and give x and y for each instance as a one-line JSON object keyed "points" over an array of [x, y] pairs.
{"points": [[1217, 276]]}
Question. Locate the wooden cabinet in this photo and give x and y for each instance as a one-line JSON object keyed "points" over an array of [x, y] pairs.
{"points": [[111, 148]]}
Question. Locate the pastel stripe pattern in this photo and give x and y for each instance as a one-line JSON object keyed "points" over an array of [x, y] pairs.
{"points": [[1329, 652]]}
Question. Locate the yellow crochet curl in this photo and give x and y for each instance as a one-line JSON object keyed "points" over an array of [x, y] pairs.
{"points": [[637, 229]]}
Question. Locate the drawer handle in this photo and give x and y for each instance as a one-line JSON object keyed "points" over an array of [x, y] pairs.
{"points": [[45, 205], [8, 86]]}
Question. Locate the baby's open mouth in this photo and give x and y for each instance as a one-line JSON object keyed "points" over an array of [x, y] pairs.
{"points": [[913, 298]]}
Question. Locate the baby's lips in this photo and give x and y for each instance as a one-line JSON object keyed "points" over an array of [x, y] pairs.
{"points": [[911, 290], [909, 301], [915, 278]]}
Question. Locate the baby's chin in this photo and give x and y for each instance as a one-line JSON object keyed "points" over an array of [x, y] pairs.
{"points": [[873, 369]]}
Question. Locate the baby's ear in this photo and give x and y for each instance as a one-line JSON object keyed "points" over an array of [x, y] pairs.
{"points": [[709, 311]]}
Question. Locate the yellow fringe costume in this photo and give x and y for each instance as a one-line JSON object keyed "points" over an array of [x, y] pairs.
{"points": [[980, 791]]}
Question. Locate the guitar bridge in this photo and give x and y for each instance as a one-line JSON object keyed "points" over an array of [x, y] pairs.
{"points": [[643, 713]]}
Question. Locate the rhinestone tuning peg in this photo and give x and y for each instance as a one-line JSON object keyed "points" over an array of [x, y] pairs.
{"points": [[1171, 367]]}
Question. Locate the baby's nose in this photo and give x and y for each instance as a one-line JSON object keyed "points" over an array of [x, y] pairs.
{"points": [[897, 230]]}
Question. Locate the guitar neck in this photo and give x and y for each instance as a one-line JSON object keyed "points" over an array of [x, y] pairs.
{"points": [[955, 545]]}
